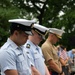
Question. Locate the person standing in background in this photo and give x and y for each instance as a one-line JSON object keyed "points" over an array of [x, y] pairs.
{"points": [[50, 51], [39, 33], [64, 59], [71, 55]]}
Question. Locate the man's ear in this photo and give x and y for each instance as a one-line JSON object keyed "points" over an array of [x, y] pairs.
{"points": [[16, 32], [52, 35]]}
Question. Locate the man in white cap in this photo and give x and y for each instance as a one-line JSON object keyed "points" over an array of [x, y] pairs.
{"points": [[39, 33], [50, 52], [13, 58]]}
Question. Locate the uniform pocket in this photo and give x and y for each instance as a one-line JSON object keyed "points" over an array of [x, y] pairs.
{"points": [[20, 58], [36, 56], [55, 56], [20, 63]]}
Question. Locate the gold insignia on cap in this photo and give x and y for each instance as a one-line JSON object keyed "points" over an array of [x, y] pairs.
{"points": [[38, 32], [58, 36], [28, 46]]}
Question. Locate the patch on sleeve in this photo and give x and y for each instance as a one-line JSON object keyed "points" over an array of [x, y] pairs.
{"points": [[28, 46]]}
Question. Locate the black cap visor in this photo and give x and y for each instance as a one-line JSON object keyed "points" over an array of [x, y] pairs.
{"points": [[26, 29]]}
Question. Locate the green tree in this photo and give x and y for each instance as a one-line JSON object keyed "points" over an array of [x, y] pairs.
{"points": [[45, 11]]}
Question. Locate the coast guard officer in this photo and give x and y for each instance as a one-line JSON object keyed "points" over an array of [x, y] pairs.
{"points": [[13, 58], [39, 33]]}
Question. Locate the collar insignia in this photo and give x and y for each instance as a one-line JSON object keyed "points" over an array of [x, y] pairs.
{"points": [[28, 46]]}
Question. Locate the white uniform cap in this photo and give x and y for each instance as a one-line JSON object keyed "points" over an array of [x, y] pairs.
{"points": [[42, 30], [57, 32], [22, 24], [22, 21]]}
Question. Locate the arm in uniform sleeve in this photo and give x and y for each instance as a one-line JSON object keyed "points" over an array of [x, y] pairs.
{"points": [[48, 56], [8, 65], [33, 69], [54, 66]]}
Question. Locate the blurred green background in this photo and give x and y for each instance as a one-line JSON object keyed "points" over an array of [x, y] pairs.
{"points": [[49, 13]]}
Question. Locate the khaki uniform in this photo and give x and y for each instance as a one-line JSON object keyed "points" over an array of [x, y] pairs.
{"points": [[50, 52]]}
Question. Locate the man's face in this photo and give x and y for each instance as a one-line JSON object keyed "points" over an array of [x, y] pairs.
{"points": [[55, 39], [22, 38], [37, 37]]}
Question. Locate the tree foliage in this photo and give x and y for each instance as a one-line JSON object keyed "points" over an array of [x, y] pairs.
{"points": [[47, 13]]}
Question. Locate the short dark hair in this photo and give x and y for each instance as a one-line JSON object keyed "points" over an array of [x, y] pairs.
{"points": [[63, 47], [13, 28], [18, 27]]}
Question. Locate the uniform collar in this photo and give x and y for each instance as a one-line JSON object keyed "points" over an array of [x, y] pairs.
{"points": [[12, 43], [48, 42], [32, 44]]}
